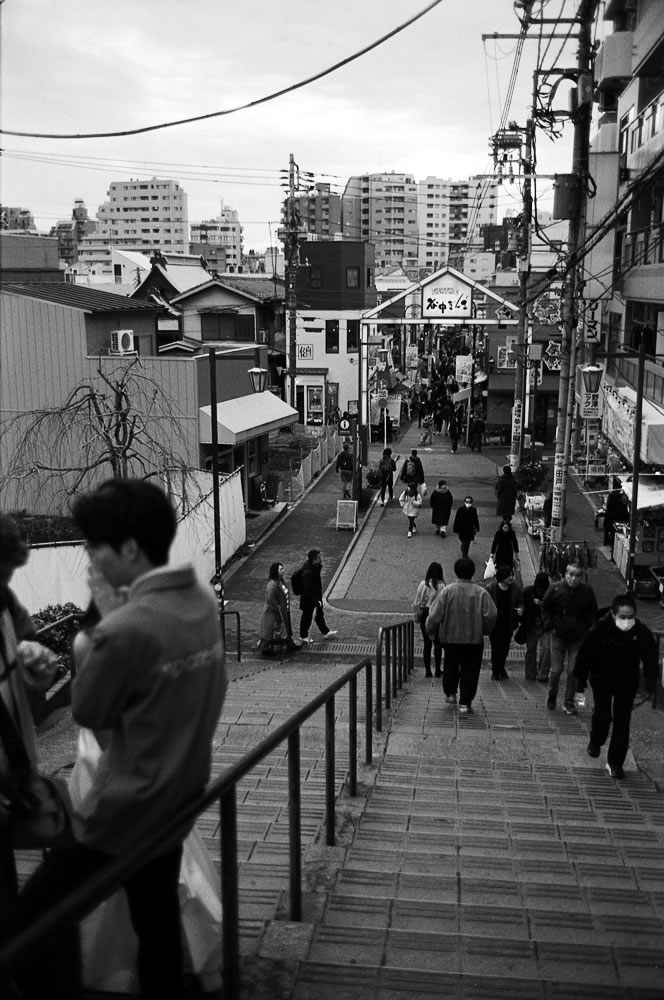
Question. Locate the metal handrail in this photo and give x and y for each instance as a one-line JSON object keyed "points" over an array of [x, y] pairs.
{"points": [[399, 643], [82, 900], [51, 625]]}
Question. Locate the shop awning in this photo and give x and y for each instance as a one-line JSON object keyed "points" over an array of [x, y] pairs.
{"points": [[246, 417], [651, 492]]}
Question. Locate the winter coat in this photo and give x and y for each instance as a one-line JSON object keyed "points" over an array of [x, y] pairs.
{"points": [[417, 473], [312, 586], [441, 507], [569, 611], [504, 548], [611, 658], [516, 596], [410, 504], [506, 491], [532, 610], [463, 612], [275, 621], [466, 523]]}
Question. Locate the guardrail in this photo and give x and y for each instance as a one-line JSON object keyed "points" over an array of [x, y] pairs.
{"points": [[83, 900], [395, 647]]}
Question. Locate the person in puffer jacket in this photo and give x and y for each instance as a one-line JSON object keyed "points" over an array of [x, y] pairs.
{"points": [[609, 656]]}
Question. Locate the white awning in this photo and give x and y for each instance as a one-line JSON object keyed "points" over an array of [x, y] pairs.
{"points": [[246, 417], [651, 492]]}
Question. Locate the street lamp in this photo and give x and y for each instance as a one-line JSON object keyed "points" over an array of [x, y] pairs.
{"points": [[533, 360], [258, 378]]}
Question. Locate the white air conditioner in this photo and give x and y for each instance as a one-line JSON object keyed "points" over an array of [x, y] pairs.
{"points": [[122, 342]]}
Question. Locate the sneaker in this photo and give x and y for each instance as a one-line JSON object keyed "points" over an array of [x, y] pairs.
{"points": [[442, 533], [570, 710], [414, 531], [451, 699], [615, 772], [381, 503], [410, 534], [551, 704], [592, 749], [305, 640], [465, 710], [332, 632]]}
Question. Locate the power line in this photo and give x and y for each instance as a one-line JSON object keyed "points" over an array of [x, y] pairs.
{"points": [[241, 107]]}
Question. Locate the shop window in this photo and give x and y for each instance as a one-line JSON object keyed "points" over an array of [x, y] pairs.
{"points": [[315, 405], [332, 336], [352, 336], [227, 326]]}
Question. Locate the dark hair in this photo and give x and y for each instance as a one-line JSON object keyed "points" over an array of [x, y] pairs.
{"points": [[121, 509], [505, 521], [274, 571], [467, 498], [434, 572], [13, 549], [623, 600], [464, 568], [502, 572], [542, 581], [387, 451], [413, 452], [507, 470], [311, 554], [442, 482]]}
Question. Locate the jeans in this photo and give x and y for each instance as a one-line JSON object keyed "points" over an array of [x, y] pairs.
{"points": [[463, 662], [428, 645], [611, 706], [154, 906], [561, 648], [387, 483], [312, 612], [538, 656]]}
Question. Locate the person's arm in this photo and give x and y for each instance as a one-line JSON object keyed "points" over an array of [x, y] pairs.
{"points": [[582, 665], [489, 613], [649, 658], [436, 614], [105, 679]]}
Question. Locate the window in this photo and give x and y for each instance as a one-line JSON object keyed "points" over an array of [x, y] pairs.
{"points": [[352, 277], [332, 336], [352, 336], [315, 277], [227, 326]]}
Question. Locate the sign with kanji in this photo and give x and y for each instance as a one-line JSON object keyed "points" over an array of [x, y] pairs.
{"points": [[589, 404], [448, 297], [305, 352], [552, 356]]}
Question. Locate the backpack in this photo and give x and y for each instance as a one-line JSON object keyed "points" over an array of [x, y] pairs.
{"points": [[410, 469], [297, 582], [385, 465]]}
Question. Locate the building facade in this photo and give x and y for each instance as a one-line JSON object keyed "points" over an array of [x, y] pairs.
{"points": [[382, 209], [12, 217], [224, 233], [319, 211], [451, 216], [70, 232]]}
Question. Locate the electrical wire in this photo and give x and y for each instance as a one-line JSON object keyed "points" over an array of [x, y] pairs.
{"points": [[241, 107]]}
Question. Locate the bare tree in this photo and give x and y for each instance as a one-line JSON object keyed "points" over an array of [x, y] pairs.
{"points": [[116, 424]]}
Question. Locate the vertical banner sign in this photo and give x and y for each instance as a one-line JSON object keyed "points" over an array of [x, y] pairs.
{"points": [[517, 418], [591, 321], [558, 479]]}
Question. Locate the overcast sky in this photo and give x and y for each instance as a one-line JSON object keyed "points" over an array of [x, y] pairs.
{"points": [[424, 102]]}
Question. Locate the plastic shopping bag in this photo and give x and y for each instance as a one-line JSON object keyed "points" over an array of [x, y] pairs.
{"points": [[490, 570]]}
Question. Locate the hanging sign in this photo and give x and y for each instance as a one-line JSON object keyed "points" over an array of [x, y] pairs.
{"points": [[447, 297], [591, 321]]}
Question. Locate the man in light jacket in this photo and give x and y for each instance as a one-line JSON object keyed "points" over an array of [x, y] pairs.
{"points": [[462, 614]]}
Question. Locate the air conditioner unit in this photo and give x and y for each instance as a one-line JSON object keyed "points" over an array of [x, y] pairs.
{"points": [[122, 342]]}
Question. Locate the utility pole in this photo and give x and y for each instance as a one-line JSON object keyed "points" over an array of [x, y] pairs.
{"points": [[290, 236], [577, 180]]}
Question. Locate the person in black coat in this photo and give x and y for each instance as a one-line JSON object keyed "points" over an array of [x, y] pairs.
{"points": [[615, 511], [504, 547], [441, 501], [610, 655], [412, 470], [506, 491], [508, 598], [311, 599], [538, 651], [466, 524]]}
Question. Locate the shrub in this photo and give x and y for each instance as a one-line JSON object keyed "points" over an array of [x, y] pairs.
{"points": [[530, 476], [373, 477], [58, 639]]}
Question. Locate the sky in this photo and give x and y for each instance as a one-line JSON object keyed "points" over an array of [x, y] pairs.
{"points": [[424, 102]]}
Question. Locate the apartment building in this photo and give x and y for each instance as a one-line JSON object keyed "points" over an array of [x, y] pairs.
{"points": [[450, 218], [13, 217], [382, 209], [319, 211], [224, 233], [70, 232]]}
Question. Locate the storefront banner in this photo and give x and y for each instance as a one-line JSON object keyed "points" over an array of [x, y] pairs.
{"points": [[618, 422]]}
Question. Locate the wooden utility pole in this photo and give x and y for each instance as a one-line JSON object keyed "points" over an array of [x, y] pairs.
{"points": [[582, 115], [290, 236]]}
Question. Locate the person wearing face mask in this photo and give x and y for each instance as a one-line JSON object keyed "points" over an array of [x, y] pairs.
{"points": [[441, 501], [569, 610], [508, 598], [466, 524], [610, 655]]}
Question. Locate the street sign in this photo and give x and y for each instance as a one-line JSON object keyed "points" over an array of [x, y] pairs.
{"points": [[382, 403]]}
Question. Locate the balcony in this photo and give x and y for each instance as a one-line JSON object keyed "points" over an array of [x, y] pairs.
{"points": [[642, 247], [653, 378], [614, 60], [645, 136]]}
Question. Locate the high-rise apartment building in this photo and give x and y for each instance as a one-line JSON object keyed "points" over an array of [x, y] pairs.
{"points": [[224, 232], [319, 211], [71, 231], [450, 216], [146, 213], [382, 209]]}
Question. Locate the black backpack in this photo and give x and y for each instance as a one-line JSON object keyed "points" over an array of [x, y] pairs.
{"points": [[297, 581]]}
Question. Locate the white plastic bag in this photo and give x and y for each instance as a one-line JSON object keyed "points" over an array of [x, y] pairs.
{"points": [[423, 489], [490, 570]]}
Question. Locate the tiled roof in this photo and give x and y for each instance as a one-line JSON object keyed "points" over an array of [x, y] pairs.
{"points": [[259, 286], [78, 297]]}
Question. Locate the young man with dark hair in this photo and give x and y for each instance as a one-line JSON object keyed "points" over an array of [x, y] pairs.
{"points": [[311, 600], [150, 686], [569, 610]]}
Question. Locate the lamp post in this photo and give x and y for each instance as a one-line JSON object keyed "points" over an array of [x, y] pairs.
{"points": [[533, 362]]}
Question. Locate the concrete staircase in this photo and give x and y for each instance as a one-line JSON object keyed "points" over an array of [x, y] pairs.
{"points": [[487, 856]]}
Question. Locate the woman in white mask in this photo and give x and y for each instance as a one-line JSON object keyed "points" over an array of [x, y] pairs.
{"points": [[610, 655]]}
